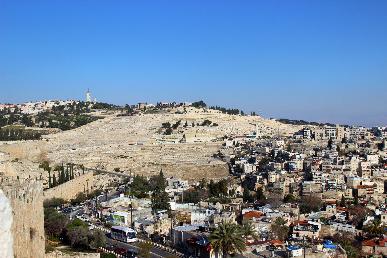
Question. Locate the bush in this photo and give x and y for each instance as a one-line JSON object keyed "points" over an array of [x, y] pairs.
{"points": [[97, 239], [166, 125], [309, 204], [206, 122], [168, 131], [78, 237], [290, 198], [199, 104], [81, 197], [54, 222]]}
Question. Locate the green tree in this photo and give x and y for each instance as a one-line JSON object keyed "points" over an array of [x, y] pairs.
{"points": [[216, 189], [203, 183], [349, 244], [81, 197], [78, 234], [45, 165], [279, 229], [355, 200], [374, 229], [49, 178], [54, 183], [53, 202], [290, 198], [107, 255], [260, 196], [194, 195], [342, 201], [330, 143], [159, 181], [227, 239], [247, 197], [310, 203], [97, 239], [139, 187], [168, 131], [78, 237], [199, 104], [160, 198], [54, 222]]}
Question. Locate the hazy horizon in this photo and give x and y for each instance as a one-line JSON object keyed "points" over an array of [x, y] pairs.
{"points": [[322, 61]]}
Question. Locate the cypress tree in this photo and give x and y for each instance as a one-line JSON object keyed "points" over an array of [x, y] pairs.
{"points": [[342, 201], [67, 175], [54, 183], [62, 176], [49, 178]]}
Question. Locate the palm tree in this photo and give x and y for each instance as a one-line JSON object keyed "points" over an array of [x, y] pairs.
{"points": [[248, 230], [227, 239]]}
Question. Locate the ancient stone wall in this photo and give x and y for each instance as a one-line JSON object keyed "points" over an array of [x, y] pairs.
{"points": [[58, 254], [27, 229], [30, 150], [6, 239], [69, 190]]}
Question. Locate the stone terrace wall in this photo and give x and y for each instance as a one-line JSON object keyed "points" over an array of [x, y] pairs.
{"points": [[28, 217], [70, 189]]}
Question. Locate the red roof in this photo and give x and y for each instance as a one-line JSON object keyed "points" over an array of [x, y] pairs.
{"points": [[276, 242], [252, 214], [375, 242], [364, 186], [300, 222], [341, 209]]}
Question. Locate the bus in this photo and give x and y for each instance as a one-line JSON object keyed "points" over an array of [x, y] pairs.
{"points": [[123, 234]]}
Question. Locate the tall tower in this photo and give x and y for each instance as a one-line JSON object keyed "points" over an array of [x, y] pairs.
{"points": [[88, 96]]}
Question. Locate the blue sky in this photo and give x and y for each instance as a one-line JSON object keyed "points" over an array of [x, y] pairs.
{"points": [[315, 60]]}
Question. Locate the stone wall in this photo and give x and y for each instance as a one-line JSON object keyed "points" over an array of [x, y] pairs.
{"points": [[31, 150], [69, 190], [57, 254], [6, 239], [27, 229]]}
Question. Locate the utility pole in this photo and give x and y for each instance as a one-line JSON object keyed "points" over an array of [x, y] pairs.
{"points": [[172, 215], [131, 215], [96, 207]]}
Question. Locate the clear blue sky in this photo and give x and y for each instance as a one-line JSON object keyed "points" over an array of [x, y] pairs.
{"points": [[315, 60]]}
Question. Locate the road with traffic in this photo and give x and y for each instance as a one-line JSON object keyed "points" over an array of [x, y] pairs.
{"points": [[155, 252]]}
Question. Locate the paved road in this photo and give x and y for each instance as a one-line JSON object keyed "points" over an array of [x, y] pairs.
{"points": [[155, 252]]}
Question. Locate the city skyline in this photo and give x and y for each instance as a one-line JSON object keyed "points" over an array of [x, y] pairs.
{"points": [[321, 62]]}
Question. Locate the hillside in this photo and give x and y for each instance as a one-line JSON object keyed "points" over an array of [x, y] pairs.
{"points": [[140, 143]]}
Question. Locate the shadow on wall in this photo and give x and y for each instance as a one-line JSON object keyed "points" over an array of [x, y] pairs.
{"points": [[6, 240]]}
